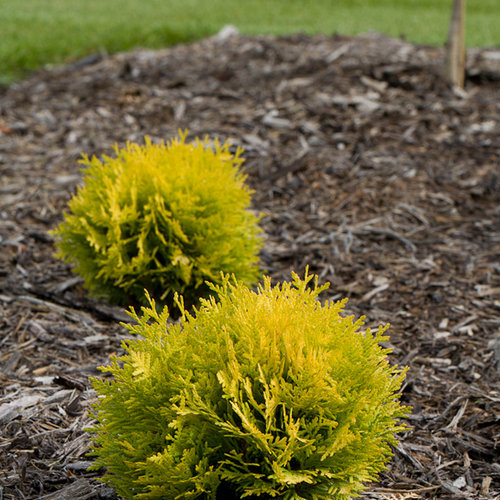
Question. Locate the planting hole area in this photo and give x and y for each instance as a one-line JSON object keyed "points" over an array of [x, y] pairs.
{"points": [[365, 166]]}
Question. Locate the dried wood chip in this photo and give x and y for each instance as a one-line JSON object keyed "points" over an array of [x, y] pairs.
{"points": [[10, 411]]}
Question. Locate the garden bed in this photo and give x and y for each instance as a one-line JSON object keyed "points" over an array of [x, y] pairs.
{"points": [[366, 166]]}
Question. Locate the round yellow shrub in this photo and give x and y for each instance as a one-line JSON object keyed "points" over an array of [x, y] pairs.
{"points": [[162, 217], [259, 395]]}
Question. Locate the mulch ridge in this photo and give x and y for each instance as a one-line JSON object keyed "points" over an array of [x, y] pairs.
{"points": [[366, 166]]}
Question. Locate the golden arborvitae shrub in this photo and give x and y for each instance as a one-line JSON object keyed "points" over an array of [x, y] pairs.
{"points": [[161, 217], [266, 394]]}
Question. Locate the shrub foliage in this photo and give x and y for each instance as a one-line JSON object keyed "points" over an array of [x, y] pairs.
{"points": [[161, 217], [266, 394]]}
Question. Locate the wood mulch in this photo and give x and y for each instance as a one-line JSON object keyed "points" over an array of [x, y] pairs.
{"points": [[366, 166]]}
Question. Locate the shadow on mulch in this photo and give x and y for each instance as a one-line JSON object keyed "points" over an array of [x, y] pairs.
{"points": [[365, 166]]}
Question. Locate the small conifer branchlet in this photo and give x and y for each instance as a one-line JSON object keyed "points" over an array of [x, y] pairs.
{"points": [[259, 395]]}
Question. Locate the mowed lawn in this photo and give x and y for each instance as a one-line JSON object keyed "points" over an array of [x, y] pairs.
{"points": [[34, 33]]}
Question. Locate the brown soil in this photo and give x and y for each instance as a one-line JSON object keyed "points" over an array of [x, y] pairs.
{"points": [[367, 168]]}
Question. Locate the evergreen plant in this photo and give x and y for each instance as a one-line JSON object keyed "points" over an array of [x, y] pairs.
{"points": [[260, 395], [162, 217]]}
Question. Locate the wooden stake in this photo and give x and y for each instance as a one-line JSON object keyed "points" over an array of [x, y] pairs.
{"points": [[455, 46]]}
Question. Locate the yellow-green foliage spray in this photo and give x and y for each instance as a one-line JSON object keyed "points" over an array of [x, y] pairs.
{"points": [[161, 217], [266, 394]]}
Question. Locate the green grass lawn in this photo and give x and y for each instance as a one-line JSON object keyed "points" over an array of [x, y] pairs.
{"points": [[34, 33]]}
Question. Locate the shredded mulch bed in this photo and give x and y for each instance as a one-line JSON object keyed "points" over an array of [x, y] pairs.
{"points": [[366, 166]]}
